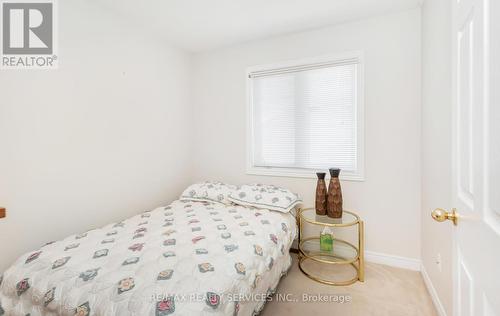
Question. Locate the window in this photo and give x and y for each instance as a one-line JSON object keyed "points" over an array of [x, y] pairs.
{"points": [[307, 116]]}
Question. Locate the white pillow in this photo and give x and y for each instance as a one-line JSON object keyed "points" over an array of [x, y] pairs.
{"points": [[265, 196], [210, 191]]}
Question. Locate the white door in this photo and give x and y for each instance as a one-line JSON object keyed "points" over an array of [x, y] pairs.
{"points": [[476, 156]]}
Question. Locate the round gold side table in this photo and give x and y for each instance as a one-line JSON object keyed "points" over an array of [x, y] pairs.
{"points": [[343, 252]]}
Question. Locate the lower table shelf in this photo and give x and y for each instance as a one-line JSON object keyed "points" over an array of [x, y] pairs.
{"points": [[339, 275], [343, 252]]}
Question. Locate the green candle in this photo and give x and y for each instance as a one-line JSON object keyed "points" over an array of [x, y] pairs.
{"points": [[326, 240]]}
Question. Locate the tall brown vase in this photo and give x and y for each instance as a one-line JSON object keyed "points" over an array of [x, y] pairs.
{"points": [[334, 200], [321, 194]]}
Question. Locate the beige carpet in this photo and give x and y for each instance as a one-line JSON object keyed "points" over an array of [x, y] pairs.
{"points": [[386, 291]]}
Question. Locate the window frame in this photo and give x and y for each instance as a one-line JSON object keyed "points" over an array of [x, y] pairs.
{"points": [[359, 175]]}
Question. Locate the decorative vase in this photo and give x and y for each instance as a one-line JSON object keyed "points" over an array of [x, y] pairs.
{"points": [[334, 200], [321, 194]]}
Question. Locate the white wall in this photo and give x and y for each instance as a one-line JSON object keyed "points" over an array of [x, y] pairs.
{"points": [[436, 145], [101, 138], [389, 200]]}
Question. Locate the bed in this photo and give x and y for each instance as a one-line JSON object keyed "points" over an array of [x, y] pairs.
{"points": [[188, 258]]}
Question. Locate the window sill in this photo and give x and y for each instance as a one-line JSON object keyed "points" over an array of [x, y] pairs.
{"points": [[299, 173]]}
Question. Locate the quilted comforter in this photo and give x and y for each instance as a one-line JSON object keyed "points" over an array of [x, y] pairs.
{"points": [[189, 258]]}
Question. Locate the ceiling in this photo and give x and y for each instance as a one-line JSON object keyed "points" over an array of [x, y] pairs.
{"points": [[200, 25]]}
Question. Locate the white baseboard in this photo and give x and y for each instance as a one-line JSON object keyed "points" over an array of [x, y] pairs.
{"points": [[388, 260], [432, 292], [410, 264], [393, 261]]}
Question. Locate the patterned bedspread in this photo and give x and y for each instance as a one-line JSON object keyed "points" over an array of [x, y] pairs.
{"points": [[189, 258]]}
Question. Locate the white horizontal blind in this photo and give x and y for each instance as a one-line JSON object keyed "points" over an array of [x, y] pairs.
{"points": [[304, 117]]}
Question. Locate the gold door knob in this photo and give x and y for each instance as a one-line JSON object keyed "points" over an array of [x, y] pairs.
{"points": [[441, 215]]}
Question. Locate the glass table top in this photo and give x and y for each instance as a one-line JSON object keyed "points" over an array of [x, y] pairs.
{"points": [[347, 219]]}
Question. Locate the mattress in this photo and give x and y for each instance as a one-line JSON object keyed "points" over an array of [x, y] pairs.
{"points": [[188, 258]]}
